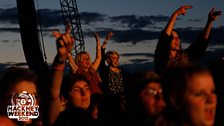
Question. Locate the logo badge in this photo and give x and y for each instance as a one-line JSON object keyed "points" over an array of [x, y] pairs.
{"points": [[23, 108]]}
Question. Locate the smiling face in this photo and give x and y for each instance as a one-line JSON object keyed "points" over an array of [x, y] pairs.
{"points": [[27, 86], [201, 100], [113, 61], [175, 43], [80, 95], [85, 61], [15, 81], [112, 58]]}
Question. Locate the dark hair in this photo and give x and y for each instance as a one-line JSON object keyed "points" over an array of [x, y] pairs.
{"points": [[174, 31], [142, 79], [110, 53], [11, 77], [176, 80], [69, 81], [15, 75]]}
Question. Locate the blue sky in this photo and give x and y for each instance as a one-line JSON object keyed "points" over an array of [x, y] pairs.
{"points": [[136, 24]]}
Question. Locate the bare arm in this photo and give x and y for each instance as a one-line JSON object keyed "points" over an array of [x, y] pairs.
{"points": [[179, 11], [212, 16], [103, 48], [96, 62], [64, 46], [72, 63], [107, 39]]}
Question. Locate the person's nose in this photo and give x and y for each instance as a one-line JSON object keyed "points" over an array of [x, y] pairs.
{"points": [[211, 98], [162, 103], [83, 92]]}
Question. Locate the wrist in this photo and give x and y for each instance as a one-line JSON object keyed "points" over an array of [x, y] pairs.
{"points": [[59, 60], [58, 67], [105, 42]]}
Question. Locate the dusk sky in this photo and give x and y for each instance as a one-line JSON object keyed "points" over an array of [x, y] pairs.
{"points": [[136, 25]]}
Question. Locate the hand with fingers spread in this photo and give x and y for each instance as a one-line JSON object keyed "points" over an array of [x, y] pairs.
{"points": [[182, 10], [110, 34], [212, 16], [64, 42]]}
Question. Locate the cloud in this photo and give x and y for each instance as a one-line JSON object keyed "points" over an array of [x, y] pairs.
{"points": [[217, 35], [15, 29], [137, 30], [137, 61], [4, 66], [189, 34], [126, 36], [88, 17], [134, 36], [136, 67], [212, 56], [50, 17], [137, 54], [194, 20], [8, 15], [134, 21]]}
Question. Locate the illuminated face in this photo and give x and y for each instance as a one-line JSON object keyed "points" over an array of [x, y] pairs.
{"points": [[175, 43], [27, 86], [80, 95], [5, 121], [85, 61], [152, 99], [201, 100], [114, 59]]}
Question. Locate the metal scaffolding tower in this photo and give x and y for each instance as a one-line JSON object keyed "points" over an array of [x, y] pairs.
{"points": [[71, 15]]}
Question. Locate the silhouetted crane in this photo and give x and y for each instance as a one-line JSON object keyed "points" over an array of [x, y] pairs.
{"points": [[71, 15]]}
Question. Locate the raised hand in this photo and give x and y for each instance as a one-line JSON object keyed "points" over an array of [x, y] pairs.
{"points": [[212, 16], [97, 40], [64, 42], [182, 10], [110, 34]]}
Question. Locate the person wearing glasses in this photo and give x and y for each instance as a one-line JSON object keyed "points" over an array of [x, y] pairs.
{"points": [[147, 100], [190, 95]]}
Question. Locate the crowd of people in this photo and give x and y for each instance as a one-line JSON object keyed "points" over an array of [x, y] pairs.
{"points": [[178, 92]]}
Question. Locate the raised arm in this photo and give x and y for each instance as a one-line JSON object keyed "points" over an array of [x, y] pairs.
{"points": [[72, 63], [110, 34], [96, 62], [103, 48], [179, 11], [64, 45], [212, 16], [197, 49]]}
